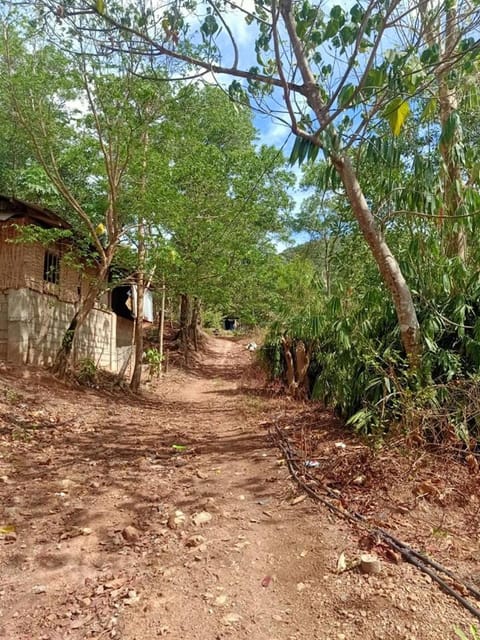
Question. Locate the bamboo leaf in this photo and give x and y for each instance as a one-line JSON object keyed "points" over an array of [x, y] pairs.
{"points": [[295, 151], [449, 129]]}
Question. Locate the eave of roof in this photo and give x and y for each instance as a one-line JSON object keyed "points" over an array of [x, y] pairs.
{"points": [[36, 212]]}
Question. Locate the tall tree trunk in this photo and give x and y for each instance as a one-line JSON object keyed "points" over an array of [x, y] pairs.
{"points": [[302, 362], [63, 357], [440, 30], [289, 364], [185, 313], [138, 332], [161, 326], [195, 321], [386, 262], [455, 236], [141, 255]]}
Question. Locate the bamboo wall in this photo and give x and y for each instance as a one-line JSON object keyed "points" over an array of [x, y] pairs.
{"points": [[3, 325], [21, 266]]}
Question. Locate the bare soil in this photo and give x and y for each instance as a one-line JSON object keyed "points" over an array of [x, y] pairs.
{"points": [[172, 514]]}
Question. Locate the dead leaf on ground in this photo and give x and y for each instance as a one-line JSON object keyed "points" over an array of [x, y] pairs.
{"points": [[6, 529], [341, 563]]}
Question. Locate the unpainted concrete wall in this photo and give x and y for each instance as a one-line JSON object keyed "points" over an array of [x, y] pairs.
{"points": [[32, 326]]}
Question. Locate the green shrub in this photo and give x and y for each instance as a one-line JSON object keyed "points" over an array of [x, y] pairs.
{"points": [[358, 366], [86, 371], [154, 360]]}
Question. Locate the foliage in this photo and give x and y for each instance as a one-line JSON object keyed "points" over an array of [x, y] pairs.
{"points": [[154, 359], [86, 371], [474, 634], [380, 91], [222, 201], [212, 319], [358, 366]]}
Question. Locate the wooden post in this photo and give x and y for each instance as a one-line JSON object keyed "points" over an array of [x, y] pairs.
{"points": [[162, 326]]}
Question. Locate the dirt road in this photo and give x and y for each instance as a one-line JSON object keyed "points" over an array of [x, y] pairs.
{"points": [[172, 515]]}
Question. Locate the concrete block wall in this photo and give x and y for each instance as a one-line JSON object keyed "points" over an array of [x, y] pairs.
{"points": [[96, 339], [34, 325]]}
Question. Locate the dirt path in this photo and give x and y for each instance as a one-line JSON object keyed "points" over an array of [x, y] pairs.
{"points": [[172, 516]]}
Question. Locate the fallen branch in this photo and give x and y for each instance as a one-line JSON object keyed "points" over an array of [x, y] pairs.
{"points": [[417, 559]]}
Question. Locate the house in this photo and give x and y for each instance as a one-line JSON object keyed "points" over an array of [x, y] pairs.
{"points": [[39, 293], [230, 323]]}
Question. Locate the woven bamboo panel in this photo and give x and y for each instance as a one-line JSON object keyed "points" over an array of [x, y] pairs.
{"points": [[22, 266]]}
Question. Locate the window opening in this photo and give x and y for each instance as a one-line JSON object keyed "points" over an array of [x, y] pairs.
{"points": [[51, 267]]}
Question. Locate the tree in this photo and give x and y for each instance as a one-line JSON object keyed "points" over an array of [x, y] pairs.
{"points": [[224, 197], [82, 124], [313, 40]]}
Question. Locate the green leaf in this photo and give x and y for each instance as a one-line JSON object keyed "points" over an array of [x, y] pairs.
{"points": [[345, 95], [209, 26], [100, 6], [295, 151], [376, 78], [337, 13], [450, 128], [429, 110], [303, 149], [357, 13], [396, 113]]}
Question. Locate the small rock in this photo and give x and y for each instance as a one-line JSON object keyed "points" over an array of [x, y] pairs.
{"points": [[359, 480], [132, 597], [202, 475], [195, 541], [220, 600], [209, 503], [176, 519], [39, 588], [301, 586], [202, 517], [130, 534], [231, 618]]}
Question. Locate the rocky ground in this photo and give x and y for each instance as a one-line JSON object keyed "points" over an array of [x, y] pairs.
{"points": [[172, 514]]}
